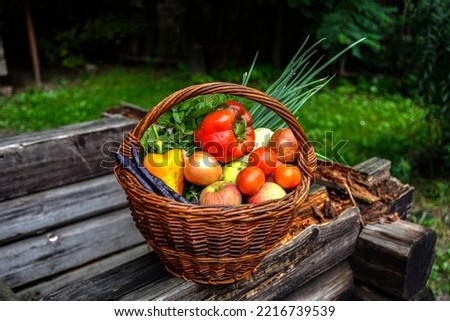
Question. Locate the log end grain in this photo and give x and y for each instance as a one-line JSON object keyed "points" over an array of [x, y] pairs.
{"points": [[395, 258]]}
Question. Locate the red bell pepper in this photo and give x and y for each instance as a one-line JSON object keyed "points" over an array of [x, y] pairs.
{"points": [[226, 133]]}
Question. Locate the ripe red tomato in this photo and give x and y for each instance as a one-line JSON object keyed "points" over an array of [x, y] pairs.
{"points": [[287, 176], [264, 158], [250, 180]]}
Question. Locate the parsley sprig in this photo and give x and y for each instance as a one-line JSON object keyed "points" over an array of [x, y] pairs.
{"points": [[175, 128]]}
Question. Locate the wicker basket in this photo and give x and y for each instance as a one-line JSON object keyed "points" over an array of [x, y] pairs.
{"points": [[214, 244]]}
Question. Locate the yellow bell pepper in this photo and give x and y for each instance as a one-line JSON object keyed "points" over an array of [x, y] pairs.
{"points": [[168, 167]]}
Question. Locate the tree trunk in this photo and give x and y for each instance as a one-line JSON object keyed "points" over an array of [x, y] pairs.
{"points": [[33, 45], [277, 50]]}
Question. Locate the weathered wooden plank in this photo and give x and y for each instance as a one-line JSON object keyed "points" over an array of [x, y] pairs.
{"points": [[395, 258], [67, 247], [336, 242], [6, 294], [312, 252], [364, 292], [80, 274], [39, 212], [39, 161], [331, 285], [373, 170], [115, 282]]}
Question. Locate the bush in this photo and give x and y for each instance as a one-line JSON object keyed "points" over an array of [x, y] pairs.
{"points": [[70, 48], [351, 125], [432, 20]]}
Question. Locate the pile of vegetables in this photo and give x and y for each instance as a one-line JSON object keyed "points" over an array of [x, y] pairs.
{"points": [[212, 150], [206, 152]]}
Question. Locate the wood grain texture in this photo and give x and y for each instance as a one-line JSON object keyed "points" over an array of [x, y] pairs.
{"points": [[373, 170], [306, 256], [115, 282], [66, 248], [334, 284], [35, 291], [402, 204], [6, 294], [395, 258], [364, 292], [43, 211], [39, 161]]}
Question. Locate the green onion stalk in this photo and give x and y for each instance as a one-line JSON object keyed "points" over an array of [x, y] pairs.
{"points": [[295, 86]]}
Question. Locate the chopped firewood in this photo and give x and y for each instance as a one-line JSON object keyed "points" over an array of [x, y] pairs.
{"points": [[335, 176]]}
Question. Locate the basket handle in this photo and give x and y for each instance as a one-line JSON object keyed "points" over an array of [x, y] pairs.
{"points": [[306, 158]]}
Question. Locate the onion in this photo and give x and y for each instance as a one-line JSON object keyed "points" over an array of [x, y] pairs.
{"points": [[262, 137], [284, 144], [202, 169]]}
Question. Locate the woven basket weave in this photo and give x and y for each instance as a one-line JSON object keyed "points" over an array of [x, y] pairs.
{"points": [[214, 244]]}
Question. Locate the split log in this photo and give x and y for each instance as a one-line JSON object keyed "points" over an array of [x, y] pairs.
{"points": [[397, 196], [334, 284], [395, 258], [369, 184], [374, 173], [373, 170], [344, 178], [42, 160], [309, 254]]}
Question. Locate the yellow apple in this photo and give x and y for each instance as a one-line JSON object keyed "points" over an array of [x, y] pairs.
{"points": [[231, 170]]}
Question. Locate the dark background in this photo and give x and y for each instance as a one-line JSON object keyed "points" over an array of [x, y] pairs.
{"points": [[199, 33]]}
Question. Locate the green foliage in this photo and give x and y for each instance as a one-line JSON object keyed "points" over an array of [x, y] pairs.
{"points": [[175, 128], [348, 21], [69, 48], [67, 102], [432, 20], [402, 169], [351, 125], [440, 274], [432, 209], [297, 83]]}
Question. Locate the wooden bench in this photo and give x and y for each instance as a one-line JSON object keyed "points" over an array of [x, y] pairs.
{"points": [[66, 232], [63, 217]]}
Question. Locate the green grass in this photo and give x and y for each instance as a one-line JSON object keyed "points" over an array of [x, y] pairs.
{"points": [[431, 208], [344, 123], [65, 102], [350, 125]]}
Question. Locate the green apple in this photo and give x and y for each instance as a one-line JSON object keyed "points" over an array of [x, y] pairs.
{"points": [[231, 170]]}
